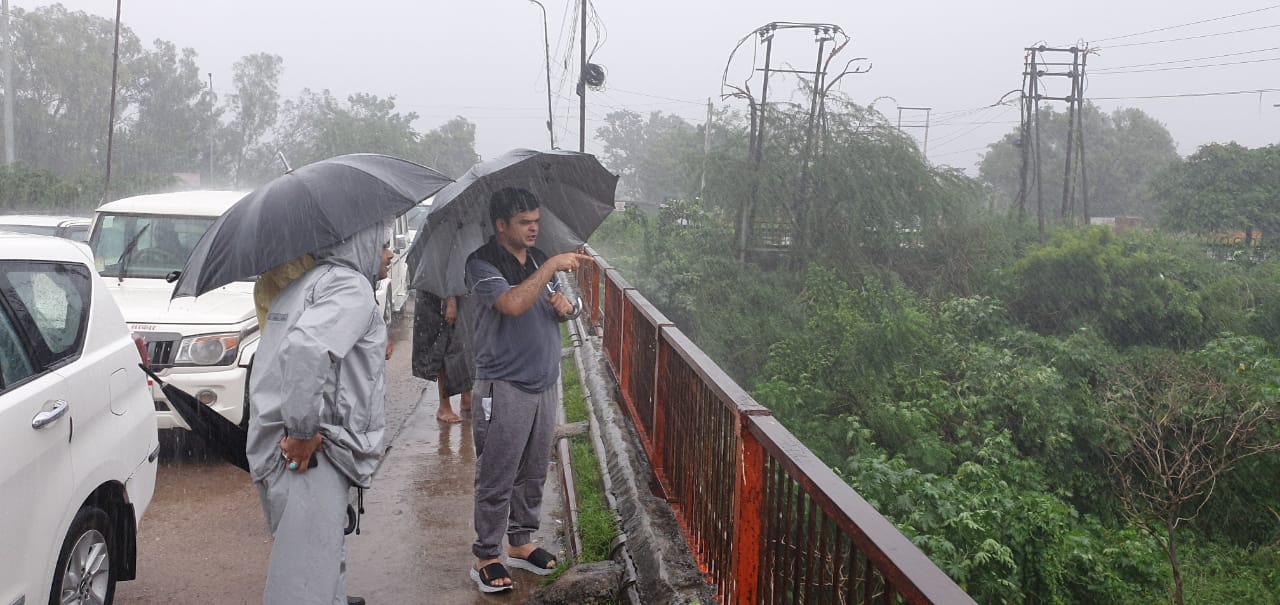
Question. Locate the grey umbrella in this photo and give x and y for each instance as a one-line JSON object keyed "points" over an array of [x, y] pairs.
{"points": [[307, 209], [574, 191]]}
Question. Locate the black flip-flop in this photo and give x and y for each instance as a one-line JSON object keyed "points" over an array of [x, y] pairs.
{"points": [[536, 562], [485, 576]]}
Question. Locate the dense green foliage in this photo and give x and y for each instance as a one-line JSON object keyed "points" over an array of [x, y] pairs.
{"points": [[978, 388], [1223, 188]]}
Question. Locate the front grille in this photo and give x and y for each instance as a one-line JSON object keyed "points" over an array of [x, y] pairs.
{"points": [[161, 347]]}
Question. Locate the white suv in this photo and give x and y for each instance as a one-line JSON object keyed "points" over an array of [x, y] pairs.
{"points": [[78, 441], [203, 345]]}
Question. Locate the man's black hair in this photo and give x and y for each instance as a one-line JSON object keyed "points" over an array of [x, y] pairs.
{"points": [[510, 201]]}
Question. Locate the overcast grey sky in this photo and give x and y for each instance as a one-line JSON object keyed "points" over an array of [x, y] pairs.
{"points": [[483, 59]]}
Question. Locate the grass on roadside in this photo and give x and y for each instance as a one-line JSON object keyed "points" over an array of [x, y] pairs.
{"points": [[595, 520]]}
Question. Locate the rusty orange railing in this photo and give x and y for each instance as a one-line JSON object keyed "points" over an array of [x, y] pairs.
{"points": [[766, 520]]}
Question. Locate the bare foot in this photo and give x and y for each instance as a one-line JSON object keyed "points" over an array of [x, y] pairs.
{"points": [[445, 414]]}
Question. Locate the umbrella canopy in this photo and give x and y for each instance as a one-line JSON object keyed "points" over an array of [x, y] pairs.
{"points": [[315, 206], [575, 194], [220, 435]]}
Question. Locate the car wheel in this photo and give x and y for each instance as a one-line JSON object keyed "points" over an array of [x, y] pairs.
{"points": [[84, 575]]}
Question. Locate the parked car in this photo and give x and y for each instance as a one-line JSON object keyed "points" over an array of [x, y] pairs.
{"points": [[78, 442], [203, 345], [71, 227]]}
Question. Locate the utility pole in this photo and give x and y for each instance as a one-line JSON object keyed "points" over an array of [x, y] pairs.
{"points": [[546, 49], [7, 67], [213, 126], [111, 120], [582, 82], [706, 151], [759, 113], [927, 112], [1035, 68]]}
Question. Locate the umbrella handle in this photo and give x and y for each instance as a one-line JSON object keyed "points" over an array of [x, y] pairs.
{"points": [[151, 374], [577, 310]]}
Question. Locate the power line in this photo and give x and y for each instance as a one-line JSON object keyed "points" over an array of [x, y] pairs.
{"points": [[1206, 58], [1161, 29], [959, 135], [1190, 94], [645, 94], [1138, 71], [1238, 31]]}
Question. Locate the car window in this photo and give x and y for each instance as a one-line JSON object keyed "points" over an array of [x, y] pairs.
{"points": [[56, 297], [132, 245], [15, 363]]}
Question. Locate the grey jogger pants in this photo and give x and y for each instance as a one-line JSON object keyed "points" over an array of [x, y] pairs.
{"points": [[513, 432], [306, 513]]}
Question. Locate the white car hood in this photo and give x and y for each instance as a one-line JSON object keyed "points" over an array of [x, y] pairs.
{"points": [[147, 301]]}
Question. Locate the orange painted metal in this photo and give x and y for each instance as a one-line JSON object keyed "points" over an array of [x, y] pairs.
{"points": [[766, 521]]}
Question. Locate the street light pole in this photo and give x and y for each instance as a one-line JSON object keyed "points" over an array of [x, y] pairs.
{"points": [[6, 66], [546, 49], [582, 81], [111, 120]]}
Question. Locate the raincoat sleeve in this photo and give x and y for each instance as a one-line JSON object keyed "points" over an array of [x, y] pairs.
{"points": [[317, 341]]}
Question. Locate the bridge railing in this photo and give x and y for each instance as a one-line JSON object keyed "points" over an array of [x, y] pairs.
{"points": [[766, 520]]}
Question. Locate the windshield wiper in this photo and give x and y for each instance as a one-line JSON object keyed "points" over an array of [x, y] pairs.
{"points": [[123, 263]]}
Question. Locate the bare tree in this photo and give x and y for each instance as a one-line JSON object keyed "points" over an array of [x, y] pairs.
{"points": [[1180, 427]]}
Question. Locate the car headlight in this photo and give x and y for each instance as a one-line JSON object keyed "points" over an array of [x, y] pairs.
{"points": [[209, 349]]}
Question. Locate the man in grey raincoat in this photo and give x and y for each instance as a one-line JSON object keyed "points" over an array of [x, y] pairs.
{"points": [[316, 415]]}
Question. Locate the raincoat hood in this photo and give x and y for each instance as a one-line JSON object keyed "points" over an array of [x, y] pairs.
{"points": [[361, 252]]}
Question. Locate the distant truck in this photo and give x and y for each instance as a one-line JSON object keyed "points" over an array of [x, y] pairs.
{"points": [[202, 345]]}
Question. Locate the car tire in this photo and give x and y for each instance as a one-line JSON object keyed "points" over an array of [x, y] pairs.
{"points": [[84, 573]]}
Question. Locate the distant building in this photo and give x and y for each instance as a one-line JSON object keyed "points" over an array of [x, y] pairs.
{"points": [[1117, 223]]}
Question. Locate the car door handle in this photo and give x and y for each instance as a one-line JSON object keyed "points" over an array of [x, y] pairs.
{"points": [[47, 418]]}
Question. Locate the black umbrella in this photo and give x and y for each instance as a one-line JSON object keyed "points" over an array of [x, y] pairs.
{"points": [[307, 209], [223, 436], [575, 194]]}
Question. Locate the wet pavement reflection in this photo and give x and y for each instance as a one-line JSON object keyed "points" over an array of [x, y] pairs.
{"points": [[203, 539]]}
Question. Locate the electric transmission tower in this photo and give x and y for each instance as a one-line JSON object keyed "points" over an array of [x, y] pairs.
{"points": [[1046, 62]]}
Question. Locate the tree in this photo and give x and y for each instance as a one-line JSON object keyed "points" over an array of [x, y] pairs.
{"points": [[171, 115], [1223, 187], [656, 157], [1181, 425], [254, 108], [317, 126], [449, 148], [1124, 151], [62, 80]]}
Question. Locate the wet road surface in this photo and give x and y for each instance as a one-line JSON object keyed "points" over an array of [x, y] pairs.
{"points": [[203, 538]]}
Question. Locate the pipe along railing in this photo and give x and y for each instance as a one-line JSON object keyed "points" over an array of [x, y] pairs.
{"points": [[766, 520]]}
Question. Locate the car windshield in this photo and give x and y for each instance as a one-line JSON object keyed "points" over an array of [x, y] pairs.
{"points": [[131, 245]]}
